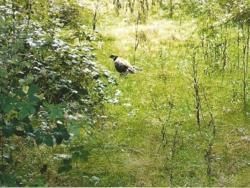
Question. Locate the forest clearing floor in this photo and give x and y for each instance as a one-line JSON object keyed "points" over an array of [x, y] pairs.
{"points": [[136, 126], [150, 135]]}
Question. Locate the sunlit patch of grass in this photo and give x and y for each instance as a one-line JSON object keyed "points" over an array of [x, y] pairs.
{"points": [[152, 33]]}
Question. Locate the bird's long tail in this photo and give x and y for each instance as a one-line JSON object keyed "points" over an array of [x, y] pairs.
{"points": [[133, 69], [137, 68]]}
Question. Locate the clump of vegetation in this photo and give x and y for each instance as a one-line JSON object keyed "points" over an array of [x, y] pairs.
{"points": [[47, 83]]}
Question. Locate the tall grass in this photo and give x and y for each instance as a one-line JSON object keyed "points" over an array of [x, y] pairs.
{"points": [[180, 121]]}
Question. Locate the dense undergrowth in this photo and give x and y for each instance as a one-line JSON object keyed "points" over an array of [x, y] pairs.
{"points": [[67, 121]]}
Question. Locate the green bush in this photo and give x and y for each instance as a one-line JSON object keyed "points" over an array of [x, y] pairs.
{"points": [[46, 83]]}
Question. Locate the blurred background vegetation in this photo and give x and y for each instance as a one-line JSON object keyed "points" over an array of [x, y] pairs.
{"points": [[67, 118]]}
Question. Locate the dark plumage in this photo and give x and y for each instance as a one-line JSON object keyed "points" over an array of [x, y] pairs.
{"points": [[122, 66]]}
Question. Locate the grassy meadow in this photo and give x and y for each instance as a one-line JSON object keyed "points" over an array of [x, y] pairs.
{"points": [[150, 133], [182, 120]]}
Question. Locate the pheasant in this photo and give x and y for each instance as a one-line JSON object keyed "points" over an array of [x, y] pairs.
{"points": [[122, 65]]}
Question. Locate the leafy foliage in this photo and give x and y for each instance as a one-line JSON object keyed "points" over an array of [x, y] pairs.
{"points": [[46, 82]]}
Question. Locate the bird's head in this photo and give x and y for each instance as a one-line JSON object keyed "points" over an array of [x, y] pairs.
{"points": [[114, 57]]}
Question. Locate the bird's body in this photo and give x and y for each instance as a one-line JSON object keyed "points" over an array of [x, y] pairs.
{"points": [[122, 65]]}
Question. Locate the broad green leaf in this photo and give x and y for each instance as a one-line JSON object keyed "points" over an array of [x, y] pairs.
{"points": [[33, 89], [48, 140], [25, 109], [7, 103], [55, 111]]}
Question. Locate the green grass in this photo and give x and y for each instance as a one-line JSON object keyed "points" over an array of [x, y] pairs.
{"points": [[131, 134]]}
